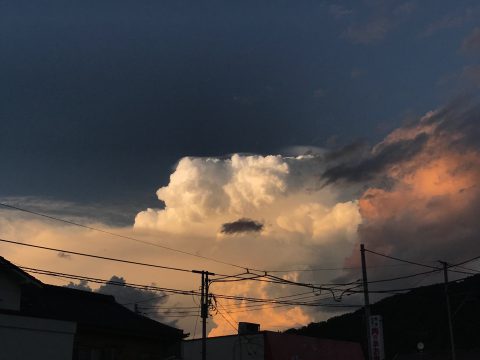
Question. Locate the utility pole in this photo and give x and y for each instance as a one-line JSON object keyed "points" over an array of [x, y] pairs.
{"points": [[367, 301], [449, 313], [204, 304]]}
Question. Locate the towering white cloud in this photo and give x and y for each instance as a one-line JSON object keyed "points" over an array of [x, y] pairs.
{"points": [[241, 208], [283, 193]]}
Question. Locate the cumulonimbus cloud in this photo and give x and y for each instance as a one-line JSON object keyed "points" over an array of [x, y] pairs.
{"points": [[302, 220]]}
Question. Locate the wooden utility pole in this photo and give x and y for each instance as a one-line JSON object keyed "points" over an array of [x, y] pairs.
{"points": [[367, 301], [449, 313], [204, 304]]}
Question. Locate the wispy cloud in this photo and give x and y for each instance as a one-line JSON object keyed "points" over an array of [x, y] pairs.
{"points": [[471, 44], [339, 11], [370, 32], [383, 18], [471, 74], [451, 21]]}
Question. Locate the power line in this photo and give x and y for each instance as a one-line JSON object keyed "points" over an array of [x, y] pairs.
{"points": [[240, 309], [424, 265], [96, 256], [264, 306], [150, 311], [465, 261], [241, 303], [193, 292], [169, 307], [402, 260], [468, 269], [226, 312], [161, 289], [403, 277], [171, 316], [103, 281], [334, 268], [223, 278], [237, 307], [144, 300], [228, 322], [122, 236], [196, 321], [237, 277]]}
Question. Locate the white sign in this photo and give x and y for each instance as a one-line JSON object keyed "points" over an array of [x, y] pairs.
{"points": [[376, 336]]}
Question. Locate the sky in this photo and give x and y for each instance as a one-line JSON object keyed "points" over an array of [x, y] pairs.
{"points": [[272, 134]]}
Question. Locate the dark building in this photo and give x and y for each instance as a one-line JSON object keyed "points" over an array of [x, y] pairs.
{"points": [[104, 329]]}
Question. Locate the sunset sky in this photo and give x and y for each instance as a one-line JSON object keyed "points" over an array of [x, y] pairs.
{"points": [[274, 135]]}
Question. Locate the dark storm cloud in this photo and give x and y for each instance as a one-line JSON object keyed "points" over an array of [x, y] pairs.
{"points": [[369, 167], [241, 226], [354, 163], [358, 148], [461, 116]]}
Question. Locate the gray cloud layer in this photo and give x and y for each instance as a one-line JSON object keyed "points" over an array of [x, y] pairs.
{"points": [[241, 226]]}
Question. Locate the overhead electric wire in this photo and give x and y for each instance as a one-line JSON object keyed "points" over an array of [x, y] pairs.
{"points": [[403, 277], [223, 278], [466, 268], [335, 269], [221, 296], [239, 307], [226, 312], [411, 288], [242, 305], [103, 281], [236, 277], [242, 308], [402, 260], [228, 321], [160, 289], [171, 316], [465, 261], [196, 321], [389, 279], [192, 313], [124, 236], [169, 307], [144, 300], [424, 265], [96, 256]]}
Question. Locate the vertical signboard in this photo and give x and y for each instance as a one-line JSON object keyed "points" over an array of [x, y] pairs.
{"points": [[376, 336]]}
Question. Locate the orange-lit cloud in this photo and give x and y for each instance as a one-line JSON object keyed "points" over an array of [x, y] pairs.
{"points": [[426, 204], [270, 317]]}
